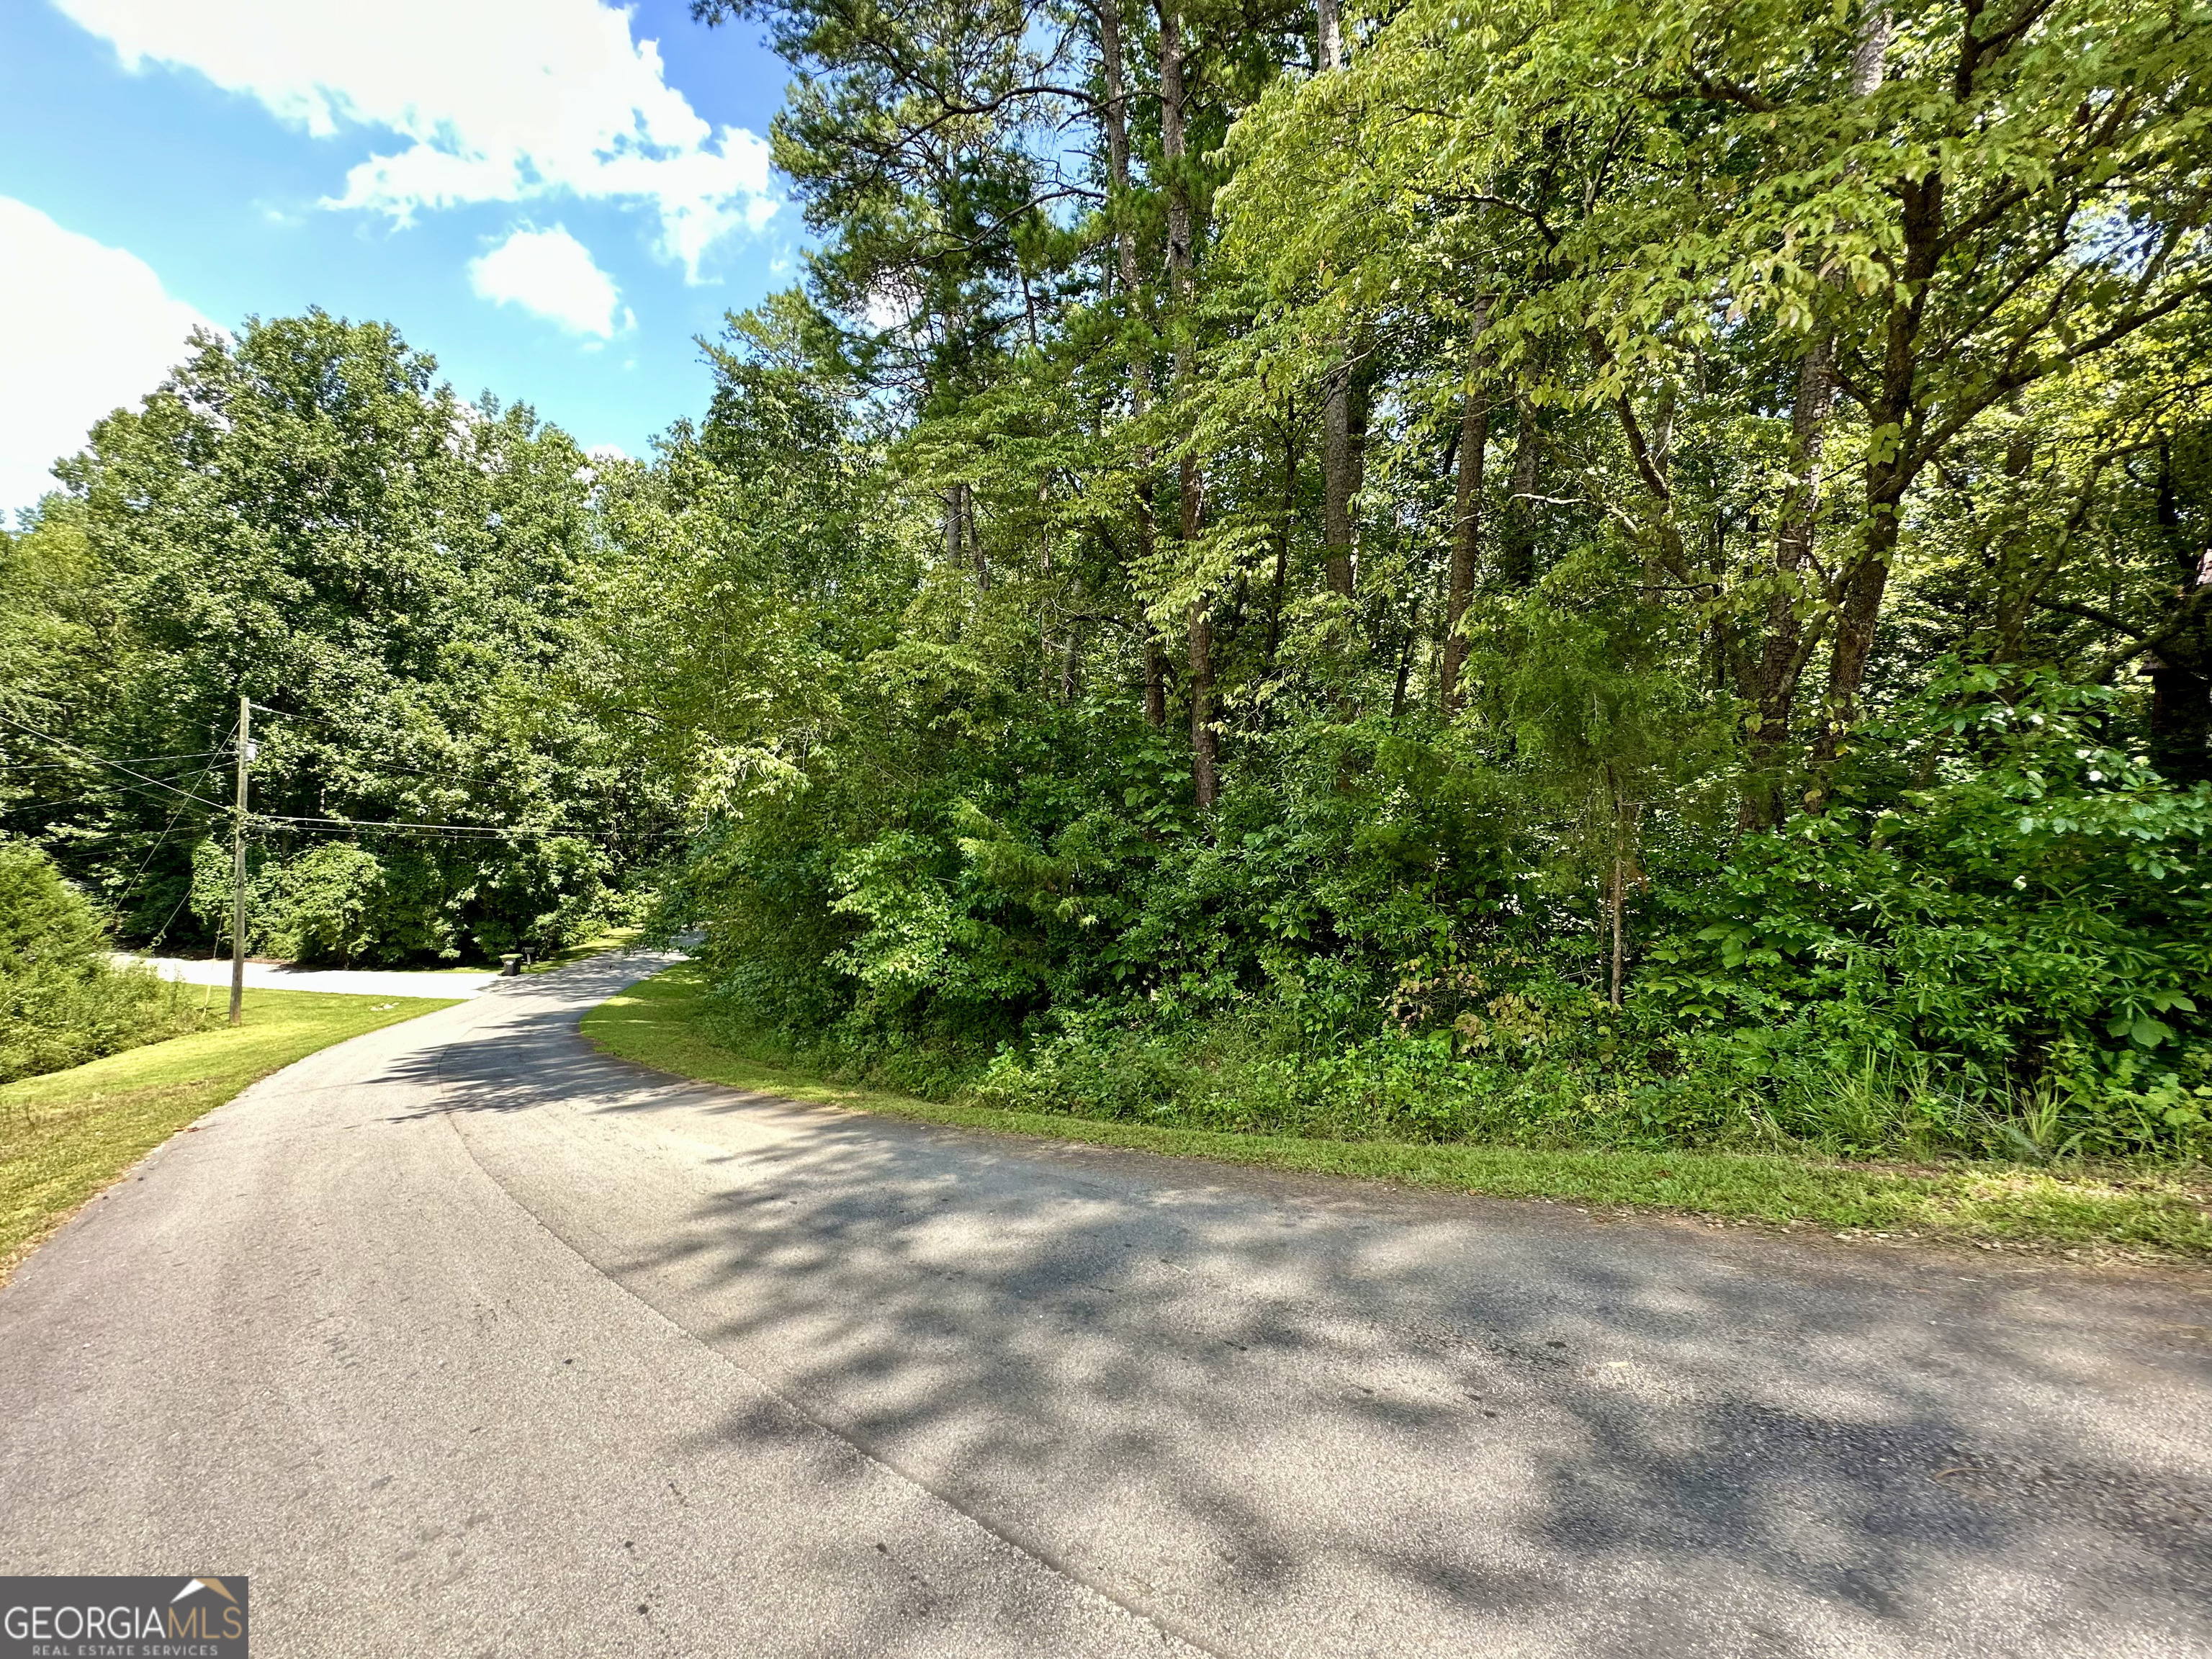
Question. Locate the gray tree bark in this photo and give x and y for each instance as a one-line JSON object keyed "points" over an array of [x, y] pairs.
{"points": [[1204, 739], [1467, 519]]}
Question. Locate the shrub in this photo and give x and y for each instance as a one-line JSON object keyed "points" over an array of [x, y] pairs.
{"points": [[63, 998], [342, 903]]}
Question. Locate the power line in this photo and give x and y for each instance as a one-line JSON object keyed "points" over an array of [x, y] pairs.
{"points": [[455, 831], [391, 767], [195, 754], [138, 875], [101, 760], [460, 835], [302, 823], [74, 834], [57, 802], [169, 780], [410, 824]]}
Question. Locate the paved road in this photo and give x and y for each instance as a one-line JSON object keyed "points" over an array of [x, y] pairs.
{"points": [[463, 1341], [354, 981]]}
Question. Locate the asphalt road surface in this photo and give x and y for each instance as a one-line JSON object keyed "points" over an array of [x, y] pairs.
{"points": [[461, 1340]]}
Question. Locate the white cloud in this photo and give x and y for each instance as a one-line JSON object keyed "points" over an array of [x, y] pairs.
{"points": [[553, 274], [493, 101], [88, 328]]}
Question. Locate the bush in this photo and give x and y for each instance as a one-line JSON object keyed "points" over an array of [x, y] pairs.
{"points": [[63, 999], [2029, 937], [1997, 940], [342, 903]]}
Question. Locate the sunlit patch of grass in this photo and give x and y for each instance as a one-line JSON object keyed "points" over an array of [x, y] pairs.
{"points": [[65, 1135], [2147, 1211], [601, 943]]}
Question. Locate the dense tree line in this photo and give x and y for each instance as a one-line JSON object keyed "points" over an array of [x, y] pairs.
{"points": [[1566, 570], [301, 517]]}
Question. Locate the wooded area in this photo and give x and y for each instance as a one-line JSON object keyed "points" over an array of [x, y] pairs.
{"points": [[1574, 572]]}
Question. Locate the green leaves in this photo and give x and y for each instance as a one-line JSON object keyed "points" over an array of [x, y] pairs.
{"points": [[2136, 1018], [301, 515]]}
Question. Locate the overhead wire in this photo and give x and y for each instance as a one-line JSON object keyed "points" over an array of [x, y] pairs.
{"points": [[168, 782], [141, 760], [138, 874], [61, 743], [296, 823], [393, 768], [51, 802], [455, 832], [168, 922]]}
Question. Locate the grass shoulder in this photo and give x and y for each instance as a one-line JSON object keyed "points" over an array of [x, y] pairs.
{"points": [[66, 1135], [2132, 1211], [600, 944], [603, 942]]}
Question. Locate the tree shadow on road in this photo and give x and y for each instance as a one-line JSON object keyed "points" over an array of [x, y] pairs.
{"points": [[1290, 1416]]}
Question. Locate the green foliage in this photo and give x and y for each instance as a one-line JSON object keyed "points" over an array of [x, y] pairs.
{"points": [[63, 999], [666, 1023], [301, 516], [2035, 926], [1590, 576]]}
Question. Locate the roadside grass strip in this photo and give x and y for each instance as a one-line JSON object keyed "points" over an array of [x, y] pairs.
{"points": [[600, 944], [2152, 1211], [65, 1136]]}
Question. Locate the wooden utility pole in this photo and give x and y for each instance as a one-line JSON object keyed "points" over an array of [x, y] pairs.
{"points": [[238, 867]]}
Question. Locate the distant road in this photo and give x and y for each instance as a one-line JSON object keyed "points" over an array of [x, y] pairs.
{"points": [[462, 1341], [283, 976]]}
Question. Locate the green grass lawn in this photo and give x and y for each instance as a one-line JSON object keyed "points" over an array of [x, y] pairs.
{"points": [[2136, 1211], [611, 938], [66, 1135]]}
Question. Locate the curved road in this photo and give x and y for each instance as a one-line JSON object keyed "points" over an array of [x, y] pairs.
{"points": [[462, 1341]]}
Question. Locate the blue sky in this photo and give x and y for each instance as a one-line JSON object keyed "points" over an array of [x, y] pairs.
{"points": [[525, 187]]}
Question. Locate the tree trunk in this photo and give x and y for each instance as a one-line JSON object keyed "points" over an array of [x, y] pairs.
{"points": [[1517, 545], [2180, 664], [1467, 520], [1156, 670], [2020, 574], [1891, 468], [1204, 739], [2180, 720], [1205, 736], [1156, 681], [1338, 443], [1174, 149], [1773, 692], [1116, 118], [1283, 523], [1620, 949], [1406, 662], [1627, 819], [1337, 486], [1890, 471], [1871, 62], [1329, 37], [974, 541], [961, 542]]}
